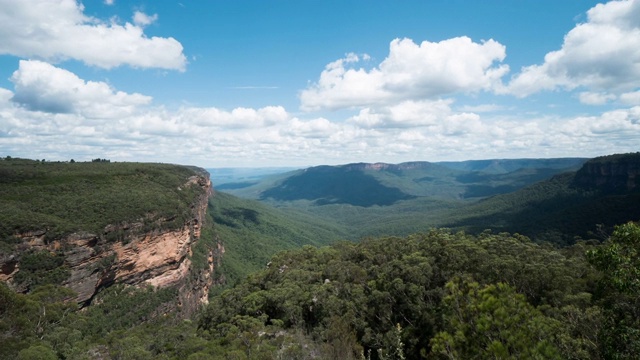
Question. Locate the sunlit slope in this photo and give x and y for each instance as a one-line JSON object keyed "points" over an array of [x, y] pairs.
{"points": [[252, 232]]}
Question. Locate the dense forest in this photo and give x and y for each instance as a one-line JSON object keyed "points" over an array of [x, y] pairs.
{"points": [[292, 285], [63, 197], [433, 295]]}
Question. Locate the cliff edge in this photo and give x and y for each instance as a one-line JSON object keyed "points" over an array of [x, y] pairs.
{"points": [[153, 248], [618, 173]]}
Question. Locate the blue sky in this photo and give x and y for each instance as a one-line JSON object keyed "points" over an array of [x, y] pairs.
{"points": [[300, 83]]}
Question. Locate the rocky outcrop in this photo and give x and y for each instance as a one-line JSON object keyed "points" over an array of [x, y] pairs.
{"points": [[159, 257], [612, 174]]}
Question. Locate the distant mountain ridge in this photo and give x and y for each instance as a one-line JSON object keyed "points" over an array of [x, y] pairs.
{"points": [[508, 165], [494, 166], [546, 199], [383, 184], [328, 184]]}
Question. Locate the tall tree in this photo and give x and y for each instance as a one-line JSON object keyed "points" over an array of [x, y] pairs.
{"points": [[492, 322], [619, 293]]}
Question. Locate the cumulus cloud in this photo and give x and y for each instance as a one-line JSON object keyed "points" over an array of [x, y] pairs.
{"points": [[40, 86], [59, 30], [405, 114], [128, 127], [238, 118], [601, 54], [320, 128], [592, 98], [141, 19], [621, 124], [436, 118], [630, 98], [410, 72]]}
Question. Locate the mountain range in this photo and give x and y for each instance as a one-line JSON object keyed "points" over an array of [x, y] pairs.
{"points": [[127, 260], [546, 199]]}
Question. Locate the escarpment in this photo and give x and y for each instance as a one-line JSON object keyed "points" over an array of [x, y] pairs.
{"points": [[613, 173], [155, 249]]}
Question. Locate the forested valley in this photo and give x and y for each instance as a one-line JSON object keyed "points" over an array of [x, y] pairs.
{"points": [[434, 295], [295, 286]]}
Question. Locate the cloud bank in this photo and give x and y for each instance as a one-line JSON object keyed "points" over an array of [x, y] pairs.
{"points": [[54, 114], [59, 30], [407, 107]]}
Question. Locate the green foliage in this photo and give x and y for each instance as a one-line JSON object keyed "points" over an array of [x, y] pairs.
{"points": [[26, 319], [619, 259], [122, 307], [56, 198], [37, 352], [435, 294], [40, 268], [619, 294], [541, 198], [123, 323], [552, 210], [492, 322], [366, 290], [252, 232], [438, 293]]}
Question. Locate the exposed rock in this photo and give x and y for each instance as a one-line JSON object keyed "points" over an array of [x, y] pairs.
{"points": [[615, 173], [158, 257], [8, 267]]}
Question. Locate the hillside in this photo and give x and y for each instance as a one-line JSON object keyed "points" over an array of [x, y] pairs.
{"points": [[253, 232], [437, 295], [88, 225], [586, 203]]}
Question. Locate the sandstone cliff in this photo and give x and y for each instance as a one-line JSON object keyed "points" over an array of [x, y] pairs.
{"points": [[614, 173], [147, 253]]}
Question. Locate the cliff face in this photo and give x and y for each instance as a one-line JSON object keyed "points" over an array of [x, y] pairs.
{"points": [[158, 257], [615, 173]]}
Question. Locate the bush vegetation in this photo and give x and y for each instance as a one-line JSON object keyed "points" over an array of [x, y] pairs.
{"points": [[57, 198], [439, 294]]}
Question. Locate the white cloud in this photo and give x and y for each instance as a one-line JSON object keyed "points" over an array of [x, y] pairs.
{"points": [[482, 108], [622, 125], [593, 98], [405, 114], [137, 130], [141, 19], [630, 98], [600, 55], [410, 72], [59, 30], [238, 118], [312, 129], [108, 2], [40, 86]]}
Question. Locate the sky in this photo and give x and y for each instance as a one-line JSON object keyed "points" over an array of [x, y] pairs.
{"points": [[310, 82]]}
